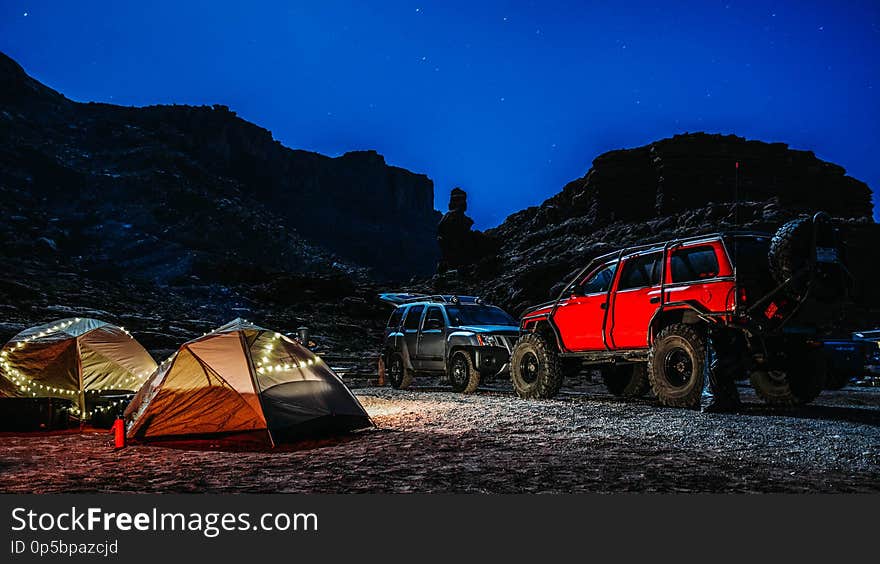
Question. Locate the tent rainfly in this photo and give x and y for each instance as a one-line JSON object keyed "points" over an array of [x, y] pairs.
{"points": [[243, 382], [71, 358]]}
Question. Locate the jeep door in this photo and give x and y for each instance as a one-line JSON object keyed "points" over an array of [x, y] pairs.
{"points": [[635, 300], [700, 273], [411, 324], [580, 316], [432, 340]]}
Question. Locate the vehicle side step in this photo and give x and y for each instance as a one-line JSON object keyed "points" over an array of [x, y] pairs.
{"points": [[601, 357]]}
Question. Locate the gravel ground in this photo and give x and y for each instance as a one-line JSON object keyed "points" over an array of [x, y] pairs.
{"points": [[428, 440]]}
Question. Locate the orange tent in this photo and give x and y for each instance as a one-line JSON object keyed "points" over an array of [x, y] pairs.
{"points": [[243, 382]]}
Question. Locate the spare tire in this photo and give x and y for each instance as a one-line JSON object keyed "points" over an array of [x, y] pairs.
{"points": [[792, 258], [790, 254]]}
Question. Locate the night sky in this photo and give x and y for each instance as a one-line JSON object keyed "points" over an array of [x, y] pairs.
{"points": [[509, 100]]}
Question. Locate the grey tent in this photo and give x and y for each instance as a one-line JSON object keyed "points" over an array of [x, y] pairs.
{"points": [[243, 382], [73, 358]]}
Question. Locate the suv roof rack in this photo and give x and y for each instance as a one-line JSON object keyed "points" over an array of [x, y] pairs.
{"points": [[444, 299]]}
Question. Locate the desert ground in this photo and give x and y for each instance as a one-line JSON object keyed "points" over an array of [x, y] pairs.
{"points": [[431, 440]]}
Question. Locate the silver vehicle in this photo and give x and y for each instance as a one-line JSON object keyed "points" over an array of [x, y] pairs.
{"points": [[457, 337]]}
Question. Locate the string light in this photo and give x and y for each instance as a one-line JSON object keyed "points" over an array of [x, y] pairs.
{"points": [[96, 410], [26, 385]]}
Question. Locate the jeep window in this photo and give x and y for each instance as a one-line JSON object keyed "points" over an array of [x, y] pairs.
{"points": [[694, 263], [434, 313], [394, 320], [749, 256], [640, 272], [465, 315], [413, 315], [600, 281]]}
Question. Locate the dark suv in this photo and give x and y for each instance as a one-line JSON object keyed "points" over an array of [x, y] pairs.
{"points": [[453, 336]]}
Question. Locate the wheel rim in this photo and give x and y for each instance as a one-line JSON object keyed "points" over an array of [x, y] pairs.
{"points": [[678, 367], [529, 368], [459, 371], [395, 372]]}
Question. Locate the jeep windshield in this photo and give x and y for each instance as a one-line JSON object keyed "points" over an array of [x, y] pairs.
{"points": [[472, 315]]}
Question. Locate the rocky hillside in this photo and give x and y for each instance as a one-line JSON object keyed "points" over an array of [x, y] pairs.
{"points": [[171, 220], [165, 192], [679, 186]]}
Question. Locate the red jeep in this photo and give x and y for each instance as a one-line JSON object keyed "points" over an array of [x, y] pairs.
{"points": [[655, 316]]}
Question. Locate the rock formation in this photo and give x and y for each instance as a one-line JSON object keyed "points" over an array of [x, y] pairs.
{"points": [[168, 191], [460, 244], [688, 184]]}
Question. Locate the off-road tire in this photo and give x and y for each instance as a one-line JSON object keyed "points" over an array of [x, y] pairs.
{"points": [[469, 385], [776, 389], [684, 342], [626, 380], [400, 379], [790, 252], [546, 378]]}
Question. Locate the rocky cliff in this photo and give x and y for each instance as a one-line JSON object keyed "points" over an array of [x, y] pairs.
{"points": [[688, 184], [168, 191]]}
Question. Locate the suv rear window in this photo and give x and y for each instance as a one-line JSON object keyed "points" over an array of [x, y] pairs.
{"points": [[413, 315], [640, 271], [694, 263], [396, 316]]}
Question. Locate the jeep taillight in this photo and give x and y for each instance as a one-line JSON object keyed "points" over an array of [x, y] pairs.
{"points": [[737, 299]]}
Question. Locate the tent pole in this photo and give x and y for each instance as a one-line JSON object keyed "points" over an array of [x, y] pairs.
{"points": [[252, 372], [82, 391]]}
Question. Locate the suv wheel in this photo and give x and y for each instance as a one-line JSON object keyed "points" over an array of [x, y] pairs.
{"points": [[677, 366], [535, 370], [399, 376], [463, 376], [626, 380], [801, 386]]}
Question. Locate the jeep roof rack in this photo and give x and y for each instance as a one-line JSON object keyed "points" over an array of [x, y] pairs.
{"points": [[671, 243]]}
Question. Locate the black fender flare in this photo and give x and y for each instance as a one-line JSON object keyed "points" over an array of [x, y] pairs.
{"points": [[687, 305]]}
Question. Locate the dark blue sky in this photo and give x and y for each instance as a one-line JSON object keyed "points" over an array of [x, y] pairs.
{"points": [[510, 100]]}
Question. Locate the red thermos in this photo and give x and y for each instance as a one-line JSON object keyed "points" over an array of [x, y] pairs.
{"points": [[118, 430]]}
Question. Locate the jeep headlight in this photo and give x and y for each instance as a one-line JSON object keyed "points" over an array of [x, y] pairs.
{"points": [[487, 340]]}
